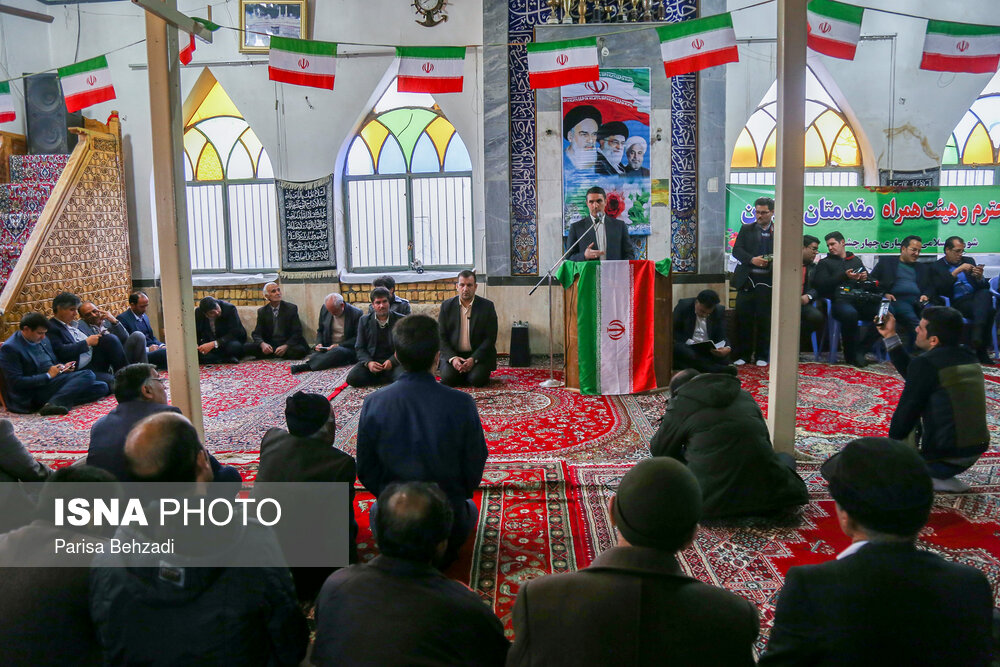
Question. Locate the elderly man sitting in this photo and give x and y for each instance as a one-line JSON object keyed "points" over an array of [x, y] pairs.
{"points": [[278, 332], [336, 336]]}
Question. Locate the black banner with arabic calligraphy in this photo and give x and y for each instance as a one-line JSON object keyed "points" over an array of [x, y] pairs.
{"points": [[306, 224], [876, 222]]}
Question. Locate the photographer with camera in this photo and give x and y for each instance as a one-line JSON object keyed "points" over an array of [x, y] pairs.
{"points": [[842, 278], [906, 284]]}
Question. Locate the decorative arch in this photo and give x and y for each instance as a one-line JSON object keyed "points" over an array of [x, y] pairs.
{"points": [[972, 154]]}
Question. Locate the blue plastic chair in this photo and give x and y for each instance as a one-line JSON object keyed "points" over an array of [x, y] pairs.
{"points": [[833, 335]]}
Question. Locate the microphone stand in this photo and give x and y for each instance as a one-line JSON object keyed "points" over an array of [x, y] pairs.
{"points": [[552, 381]]}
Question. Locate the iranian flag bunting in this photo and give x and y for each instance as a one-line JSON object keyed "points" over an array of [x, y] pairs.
{"points": [[6, 103], [86, 84], [302, 62], [188, 51], [690, 46], [554, 64], [434, 69], [614, 325], [961, 47], [834, 28]]}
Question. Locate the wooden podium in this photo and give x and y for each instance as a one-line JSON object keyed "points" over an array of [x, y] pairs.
{"points": [[663, 329]]}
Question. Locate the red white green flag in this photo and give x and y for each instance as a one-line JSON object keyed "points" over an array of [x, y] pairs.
{"points": [[6, 103], [433, 69], [302, 62], [187, 52], [695, 45], [86, 83], [961, 47], [614, 311], [554, 64], [834, 28]]}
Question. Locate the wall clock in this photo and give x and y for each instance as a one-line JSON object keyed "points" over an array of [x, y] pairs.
{"points": [[432, 10]]}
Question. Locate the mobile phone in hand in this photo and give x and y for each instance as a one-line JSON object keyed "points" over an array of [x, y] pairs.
{"points": [[883, 311]]}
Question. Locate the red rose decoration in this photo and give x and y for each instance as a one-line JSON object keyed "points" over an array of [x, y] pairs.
{"points": [[615, 204]]}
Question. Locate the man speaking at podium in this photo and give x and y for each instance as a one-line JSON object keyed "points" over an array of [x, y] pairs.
{"points": [[608, 240]]}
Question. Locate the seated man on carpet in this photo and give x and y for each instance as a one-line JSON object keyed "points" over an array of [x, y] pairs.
{"points": [[278, 331], [633, 605], [698, 323], [882, 601], [942, 409], [220, 332], [718, 430], [136, 319], [420, 430], [398, 609], [100, 353], [906, 283], [377, 362], [336, 336], [468, 336], [305, 453], [45, 610], [813, 318], [93, 321], [140, 393], [36, 380], [148, 612], [958, 277], [397, 304]]}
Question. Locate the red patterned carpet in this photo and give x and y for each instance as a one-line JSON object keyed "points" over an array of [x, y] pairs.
{"points": [[557, 457]]}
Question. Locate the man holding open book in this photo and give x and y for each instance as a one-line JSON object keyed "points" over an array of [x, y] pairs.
{"points": [[700, 334]]}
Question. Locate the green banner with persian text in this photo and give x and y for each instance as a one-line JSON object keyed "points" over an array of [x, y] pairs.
{"points": [[876, 222]]}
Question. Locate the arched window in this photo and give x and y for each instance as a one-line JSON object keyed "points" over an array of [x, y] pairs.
{"points": [[231, 201], [832, 154], [971, 154], [408, 182]]}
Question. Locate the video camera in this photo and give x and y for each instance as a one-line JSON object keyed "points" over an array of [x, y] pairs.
{"points": [[862, 291]]}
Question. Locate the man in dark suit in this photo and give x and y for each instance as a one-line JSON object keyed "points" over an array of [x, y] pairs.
{"points": [[906, 283], [305, 453], [336, 336], [468, 336], [100, 353], [377, 362], [278, 331], [752, 281], [701, 320], [136, 319], [418, 429], [140, 393], [397, 609], [36, 380], [609, 240], [959, 278], [812, 317], [882, 601], [220, 332], [633, 605], [93, 320], [396, 303]]}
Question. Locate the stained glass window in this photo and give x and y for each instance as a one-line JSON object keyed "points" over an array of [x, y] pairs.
{"points": [[976, 139], [408, 177], [830, 141]]}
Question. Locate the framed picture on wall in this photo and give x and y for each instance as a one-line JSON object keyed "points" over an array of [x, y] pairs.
{"points": [[260, 20]]}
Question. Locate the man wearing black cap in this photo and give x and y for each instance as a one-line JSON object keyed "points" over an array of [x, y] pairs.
{"points": [[305, 453], [608, 240], [882, 601], [580, 131], [220, 332], [610, 148], [943, 404], [633, 605]]}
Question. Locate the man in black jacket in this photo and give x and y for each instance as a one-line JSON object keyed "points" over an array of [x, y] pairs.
{"points": [[278, 332], [812, 317], [220, 332], [336, 336], [468, 327], [882, 601], [752, 281], [717, 429], [840, 269], [697, 322], [377, 363], [608, 240], [633, 605], [943, 404], [961, 280], [905, 283]]}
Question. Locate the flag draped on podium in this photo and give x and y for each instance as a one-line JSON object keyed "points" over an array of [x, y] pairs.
{"points": [[614, 323]]}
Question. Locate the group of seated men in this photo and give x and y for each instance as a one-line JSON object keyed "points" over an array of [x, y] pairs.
{"points": [[854, 294]]}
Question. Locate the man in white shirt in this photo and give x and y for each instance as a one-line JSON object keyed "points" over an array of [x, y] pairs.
{"points": [[468, 327], [698, 321], [607, 240]]}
